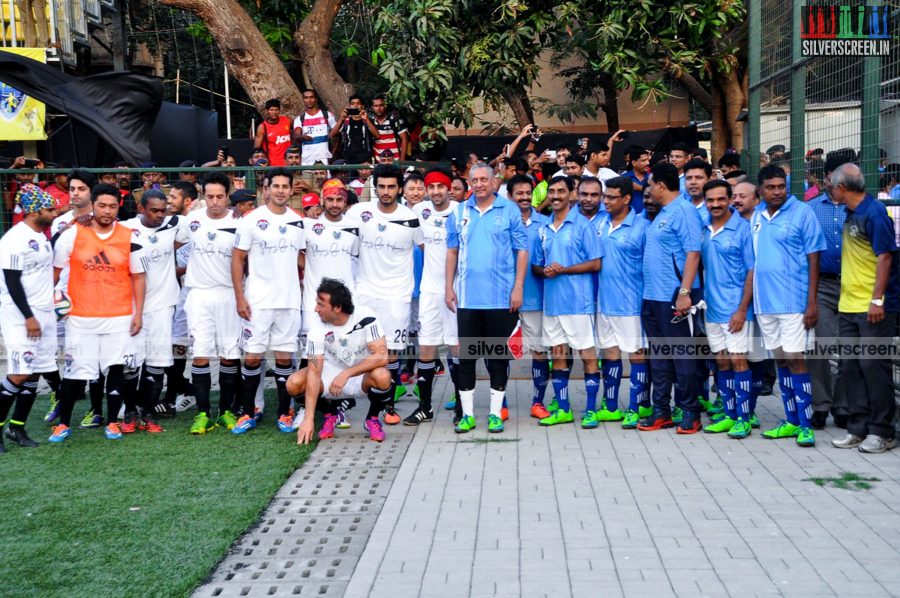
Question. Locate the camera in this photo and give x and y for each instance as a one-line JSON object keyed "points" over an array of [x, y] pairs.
{"points": [[29, 163], [352, 111]]}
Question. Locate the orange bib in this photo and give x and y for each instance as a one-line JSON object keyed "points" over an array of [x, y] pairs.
{"points": [[99, 274]]}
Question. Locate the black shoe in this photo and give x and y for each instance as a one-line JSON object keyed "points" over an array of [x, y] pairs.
{"points": [[840, 420], [766, 390], [270, 373], [418, 416], [18, 435], [2, 448], [457, 417], [818, 420], [164, 410]]}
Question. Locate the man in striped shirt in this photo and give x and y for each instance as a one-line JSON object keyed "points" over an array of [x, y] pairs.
{"points": [[392, 133]]}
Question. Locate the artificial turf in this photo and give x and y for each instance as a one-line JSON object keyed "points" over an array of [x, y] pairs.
{"points": [[148, 515]]}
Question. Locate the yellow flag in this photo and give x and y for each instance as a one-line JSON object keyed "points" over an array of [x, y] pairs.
{"points": [[22, 117]]}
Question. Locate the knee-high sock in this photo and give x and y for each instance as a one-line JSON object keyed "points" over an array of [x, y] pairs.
{"points": [[250, 378], [52, 379], [743, 387], [425, 381], [802, 385], [540, 377], [130, 390], [725, 382], [151, 388], [115, 383], [229, 381], [453, 365], [758, 373], [69, 392], [394, 368], [8, 393], [175, 380], [379, 399], [24, 402], [282, 371], [466, 402], [560, 380], [787, 395], [612, 379], [638, 386], [201, 380], [592, 389], [96, 389], [497, 397]]}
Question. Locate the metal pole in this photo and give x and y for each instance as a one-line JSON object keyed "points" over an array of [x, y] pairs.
{"points": [[12, 23], [53, 26], [798, 105], [3, 30], [177, 85], [754, 57], [227, 107], [870, 116]]}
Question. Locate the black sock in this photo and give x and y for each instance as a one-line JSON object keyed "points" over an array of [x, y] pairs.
{"points": [[378, 401], [69, 392], [425, 382], [130, 390], [24, 402], [229, 381], [454, 379], [151, 388], [115, 383], [8, 393], [96, 389], [394, 368], [201, 381], [282, 371], [250, 379], [52, 379]]}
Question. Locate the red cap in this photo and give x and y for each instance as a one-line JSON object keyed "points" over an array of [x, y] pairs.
{"points": [[310, 200]]}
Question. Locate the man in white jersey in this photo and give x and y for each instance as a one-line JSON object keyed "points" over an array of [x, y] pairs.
{"points": [[387, 233], [269, 240], [332, 250], [27, 320], [100, 324], [347, 357], [212, 318], [313, 129], [437, 324], [160, 235]]}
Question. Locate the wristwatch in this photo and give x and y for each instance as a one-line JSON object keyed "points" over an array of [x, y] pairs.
{"points": [[683, 292], [878, 302]]}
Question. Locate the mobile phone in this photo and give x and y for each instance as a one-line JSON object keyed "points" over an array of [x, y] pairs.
{"points": [[551, 154], [624, 135], [583, 143], [352, 111], [224, 150], [29, 163]]}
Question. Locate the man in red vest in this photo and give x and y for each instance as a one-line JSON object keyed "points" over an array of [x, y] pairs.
{"points": [[273, 135]]}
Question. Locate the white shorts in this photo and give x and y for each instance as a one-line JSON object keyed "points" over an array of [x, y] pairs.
{"points": [[721, 339], [352, 389], [414, 315], [786, 331], [394, 319], [305, 320], [90, 355], [213, 322], [180, 332], [624, 332], [437, 324], [271, 329], [576, 330], [23, 355], [532, 331], [153, 345]]}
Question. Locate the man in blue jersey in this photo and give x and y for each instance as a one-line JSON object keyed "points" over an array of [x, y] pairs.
{"points": [[487, 255], [519, 189], [697, 173], [622, 236], [671, 286], [639, 160], [727, 253], [787, 240], [590, 200], [566, 256]]}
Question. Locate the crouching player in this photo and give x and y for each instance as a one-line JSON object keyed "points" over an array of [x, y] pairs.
{"points": [[348, 357]]}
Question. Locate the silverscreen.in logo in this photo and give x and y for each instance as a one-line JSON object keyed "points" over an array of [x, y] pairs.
{"points": [[843, 30]]}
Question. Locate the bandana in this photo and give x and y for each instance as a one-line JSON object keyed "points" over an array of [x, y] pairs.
{"points": [[437, 177], [334, 187], [34, 199]]}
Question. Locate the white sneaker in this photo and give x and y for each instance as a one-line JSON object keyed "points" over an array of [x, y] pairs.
{"points": [[185, 402], [876, 444], [849, 441], [299, 415]]}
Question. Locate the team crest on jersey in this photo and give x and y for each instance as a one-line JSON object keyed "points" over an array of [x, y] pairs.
{"points": [[854, 230], [263, 224], [247, 333], [318, 227], [153, 239], [33, 245], [439, 222], [343, 341], [329, 337], [136, 233], [382, 227], [282, 229], [337, 234], [365, 216], [426, 213], [211, 236], [28, 357], [69, 360], [663, 224], [194, 225]]}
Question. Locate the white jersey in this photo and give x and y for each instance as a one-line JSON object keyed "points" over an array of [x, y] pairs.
{"points": [[434, 233], [28, 251], [61, 222], [317, 126], [332, 251], [273, 243], [209, 264], [386, 250], [344, 346], [159, 251]]}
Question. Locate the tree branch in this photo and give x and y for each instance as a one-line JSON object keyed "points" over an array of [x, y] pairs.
{"points": [[692, 85]]}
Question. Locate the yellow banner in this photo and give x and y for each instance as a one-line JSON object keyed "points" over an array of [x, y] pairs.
{"points": [[22, 117]]}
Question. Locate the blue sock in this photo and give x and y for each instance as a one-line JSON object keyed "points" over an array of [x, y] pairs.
{"points": [[612, 379], [802, 384], [560, 379], [592, 387], [787, 396], [540, 374], [725, 381], [638, 386], [757, 371], [743, 388]]}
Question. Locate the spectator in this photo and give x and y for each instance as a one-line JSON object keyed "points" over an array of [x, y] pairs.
{"points": [[242, 201], [698, 153], [273, 135], [729, 162], [575, 165], [362, 184], [392, 133], [59, 191], [357, 132], [312, 207], [292, 156], [313, 128], [638, 160], [459, 188], [815, 172], [735, 177], [678, 157]]}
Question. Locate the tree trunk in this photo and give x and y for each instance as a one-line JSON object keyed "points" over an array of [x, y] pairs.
{"points": [[520, 106], [248, 55], [40, 23], [26, 17], [312, 37], [720, 130], [610, 104], [735, 100]]}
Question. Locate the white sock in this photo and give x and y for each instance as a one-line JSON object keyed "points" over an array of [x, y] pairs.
{"points": [[467, 398], [497, 401]]}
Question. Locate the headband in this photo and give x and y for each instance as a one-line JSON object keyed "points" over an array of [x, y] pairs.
{"points": [[437, 176]]}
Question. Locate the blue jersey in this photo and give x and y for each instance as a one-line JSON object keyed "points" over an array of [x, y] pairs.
{"points": [[673, 233], [488, 244], [533, 299], [727, 257], [573, 243], [418, 266], [781, 243], [637, 197], [622, 275], [703, 212], [831, 217]]}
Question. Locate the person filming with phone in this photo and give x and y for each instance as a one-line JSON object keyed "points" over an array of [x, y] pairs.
{"points": [[357, 132]]}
